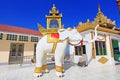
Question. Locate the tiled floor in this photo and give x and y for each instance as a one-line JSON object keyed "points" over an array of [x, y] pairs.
{"points": [[72, 72]]}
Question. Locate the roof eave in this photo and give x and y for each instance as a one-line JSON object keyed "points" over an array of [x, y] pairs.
{"points": [[82, 29]]}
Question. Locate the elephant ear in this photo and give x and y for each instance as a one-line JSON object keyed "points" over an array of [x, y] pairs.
{"points": [[63, 34]]}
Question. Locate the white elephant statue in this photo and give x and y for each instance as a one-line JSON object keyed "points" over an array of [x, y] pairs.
{"points": [[58, 47]]}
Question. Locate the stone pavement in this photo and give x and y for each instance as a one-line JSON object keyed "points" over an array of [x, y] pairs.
{"points": [[72, 72]]}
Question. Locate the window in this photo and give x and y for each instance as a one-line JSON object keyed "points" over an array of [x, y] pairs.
{"points": [[34, 39], [23, 38], [1, 36], [79, 50], [100, 47], [53, 24], [115, 46], [11, 37]]}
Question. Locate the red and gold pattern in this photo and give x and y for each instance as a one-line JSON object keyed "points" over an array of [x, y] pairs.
{"points": [[53, 38]]}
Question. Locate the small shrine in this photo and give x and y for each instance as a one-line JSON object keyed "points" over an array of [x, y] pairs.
{"points": [[54, 22]]}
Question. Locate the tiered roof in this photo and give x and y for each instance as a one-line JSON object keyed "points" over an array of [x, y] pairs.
{"points": [[106, 24]]}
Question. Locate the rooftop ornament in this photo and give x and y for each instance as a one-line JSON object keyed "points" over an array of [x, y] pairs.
{"points": [[118, 3]]}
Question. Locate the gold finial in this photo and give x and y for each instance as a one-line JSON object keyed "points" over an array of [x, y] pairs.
{"points": [[99, 10], [80, 23], [54, 11], [53, 5], [53, 8], [88, 20]]}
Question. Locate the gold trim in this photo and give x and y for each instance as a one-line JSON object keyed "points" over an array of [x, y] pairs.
{"points": [[108, 30], [38, 69], [81, 29], [111, 49], [44, 67], [103, 60], [54, 41], [51, 40], [93, 48], [63, 66], [54, 47], [59, 68]]}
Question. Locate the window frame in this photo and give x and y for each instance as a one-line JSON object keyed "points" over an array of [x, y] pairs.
{"points": [[34, 39], [54, 23], [1, 36], [79, 50], [23, 38], [11, 37], [101, 51]]}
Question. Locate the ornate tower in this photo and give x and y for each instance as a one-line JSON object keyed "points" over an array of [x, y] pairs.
{"points": [[54, 19], [54, 22]]}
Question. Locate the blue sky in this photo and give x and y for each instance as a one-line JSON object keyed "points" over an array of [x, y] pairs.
{"points": [[27, 13]]}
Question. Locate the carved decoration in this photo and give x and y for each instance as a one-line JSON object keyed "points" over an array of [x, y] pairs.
{"points": [[103, 20], [54, 15], [103, 60], [105, 24]]}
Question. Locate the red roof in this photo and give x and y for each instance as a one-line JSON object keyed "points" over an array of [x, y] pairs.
{"points": [[15, 29]]}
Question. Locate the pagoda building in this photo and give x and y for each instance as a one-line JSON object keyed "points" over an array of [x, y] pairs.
{"points": [[106, 49]]}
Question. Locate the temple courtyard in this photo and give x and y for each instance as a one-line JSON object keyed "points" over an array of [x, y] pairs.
{"points": [[72, 72]]}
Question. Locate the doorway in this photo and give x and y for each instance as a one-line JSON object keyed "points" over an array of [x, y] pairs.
{"points": [[80, 50], [115, 46], [16, 53], [80, 55]]}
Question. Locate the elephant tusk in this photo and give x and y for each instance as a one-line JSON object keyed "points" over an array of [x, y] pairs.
{"points": [[95, 34]]}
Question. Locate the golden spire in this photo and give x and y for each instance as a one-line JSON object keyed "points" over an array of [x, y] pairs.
{"points": [[99, 10], [103, 20], [54, 11]]}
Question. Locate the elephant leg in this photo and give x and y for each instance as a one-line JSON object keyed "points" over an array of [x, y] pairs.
{"points": [[39, 61], [59, 56], [44, 66], [63, 65]]}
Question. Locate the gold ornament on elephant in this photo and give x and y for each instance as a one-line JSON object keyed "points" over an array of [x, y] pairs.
{"points": [[53, 38]]}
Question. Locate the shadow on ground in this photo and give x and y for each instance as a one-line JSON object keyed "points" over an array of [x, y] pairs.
{"points": [[67, 65]]}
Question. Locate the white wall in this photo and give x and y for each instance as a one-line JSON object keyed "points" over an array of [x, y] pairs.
{"points": [[108, 56], [88, 46], [94, 62]]}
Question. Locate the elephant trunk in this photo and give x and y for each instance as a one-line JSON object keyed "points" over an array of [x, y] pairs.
{"points": [[95, 37]]}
